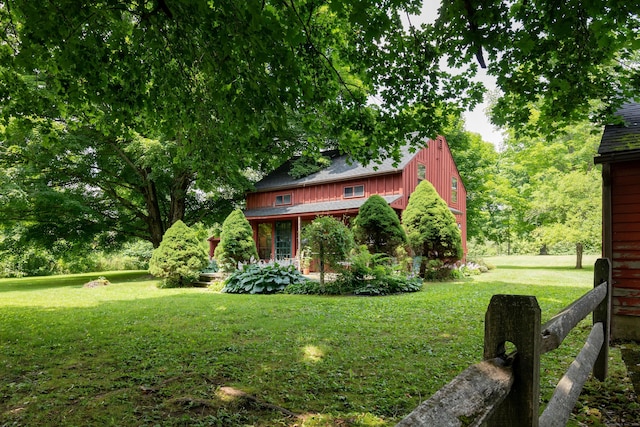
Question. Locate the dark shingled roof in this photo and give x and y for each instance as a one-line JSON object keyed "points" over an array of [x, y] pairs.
{"points": [[319, 207], [339, 170], [621, 138]]}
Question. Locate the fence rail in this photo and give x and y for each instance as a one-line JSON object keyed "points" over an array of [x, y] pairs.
{"points": [[504, 389]]}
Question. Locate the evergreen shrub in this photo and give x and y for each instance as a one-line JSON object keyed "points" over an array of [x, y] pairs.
{"points": [[179, 258], [236, 242], [431, 228], [378, 226]]}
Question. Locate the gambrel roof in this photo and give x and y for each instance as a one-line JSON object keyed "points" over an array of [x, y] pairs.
{"points": [[621, 140], [340, 169]]}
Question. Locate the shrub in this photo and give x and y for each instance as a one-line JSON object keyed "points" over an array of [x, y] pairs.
{"points": [[211, 268], [330, 240], [378, 226], [392, 284], [236, 242], [253, 279], [179, 258], [308, 287], [30, 262], [432, 231], [137, 254], [374, 274], [363, 274], [216, 286], [437, 271]]}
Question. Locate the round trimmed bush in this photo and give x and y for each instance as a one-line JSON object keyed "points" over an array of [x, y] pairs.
{"points": [[378, 226], [179, 258], [432, 230], [236, 242]]}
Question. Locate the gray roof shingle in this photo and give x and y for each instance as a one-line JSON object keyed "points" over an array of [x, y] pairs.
{"points": [[339, 170], [625, 137]]}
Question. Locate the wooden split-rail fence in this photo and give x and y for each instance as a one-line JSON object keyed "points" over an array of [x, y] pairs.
{"points": [[504, 389]]}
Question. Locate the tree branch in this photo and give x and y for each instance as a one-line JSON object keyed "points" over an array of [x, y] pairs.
{"points": [[473, 26], [307, 32]]}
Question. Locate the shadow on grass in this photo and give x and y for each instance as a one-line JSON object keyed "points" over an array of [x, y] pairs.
{"points": [[164, 358], [539, 267], [39, 283], [167, 358], [630, 352]]}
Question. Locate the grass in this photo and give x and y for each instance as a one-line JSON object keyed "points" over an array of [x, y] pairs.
{"points": [[132, 354]]}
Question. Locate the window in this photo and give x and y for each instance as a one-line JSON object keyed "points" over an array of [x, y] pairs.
{"points": [[454, 190], [284, 199], [355, 191], [422, 172]]}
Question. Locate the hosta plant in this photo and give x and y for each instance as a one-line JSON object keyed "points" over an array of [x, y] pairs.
{"points": [[254, 279]]}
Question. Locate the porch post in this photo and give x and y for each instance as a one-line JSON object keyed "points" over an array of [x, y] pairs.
{"points": [[298, 244]]}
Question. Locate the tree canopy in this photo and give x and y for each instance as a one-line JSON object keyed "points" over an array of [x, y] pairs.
{"points": [[156, 111], [568, 60]]}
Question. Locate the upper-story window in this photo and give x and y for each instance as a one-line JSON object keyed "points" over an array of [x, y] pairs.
{"points": [[422, 172], [354, 191], [454, 190], [283, 199]]}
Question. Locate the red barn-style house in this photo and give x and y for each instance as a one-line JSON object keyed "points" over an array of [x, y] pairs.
{"points": [[619, 154], [281, 206]]}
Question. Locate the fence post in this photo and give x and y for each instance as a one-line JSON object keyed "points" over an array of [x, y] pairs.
{"points": [[516, 319], [602, 273]]}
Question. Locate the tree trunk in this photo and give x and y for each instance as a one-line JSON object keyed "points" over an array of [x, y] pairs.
{"points": [[423, 267], [177, 209], [154, 216], [321, 256], [179, 190], [147, 188], [579, 250]]}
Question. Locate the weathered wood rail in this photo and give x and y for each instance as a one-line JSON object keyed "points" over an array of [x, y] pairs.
{"points": [[504, 389]]}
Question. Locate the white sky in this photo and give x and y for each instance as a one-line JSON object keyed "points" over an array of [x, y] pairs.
{"points": [[476, 120]]}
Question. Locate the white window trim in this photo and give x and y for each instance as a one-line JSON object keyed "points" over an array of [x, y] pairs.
{"points": [[354, 194], [282, 197]]}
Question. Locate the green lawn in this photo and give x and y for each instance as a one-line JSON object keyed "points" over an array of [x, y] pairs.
{"points": [[133, 354]]}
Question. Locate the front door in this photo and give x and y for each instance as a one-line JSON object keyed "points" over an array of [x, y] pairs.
{"points": [[265, 241], [283, 240]]}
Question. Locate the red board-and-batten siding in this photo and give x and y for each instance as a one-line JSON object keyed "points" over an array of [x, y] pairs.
{"points": [[384, 185], [625, 237], [619, 155], [440, 169]]}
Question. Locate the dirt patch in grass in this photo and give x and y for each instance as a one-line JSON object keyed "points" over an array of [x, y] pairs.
{"points": [[180, 399], [96, 283]]}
